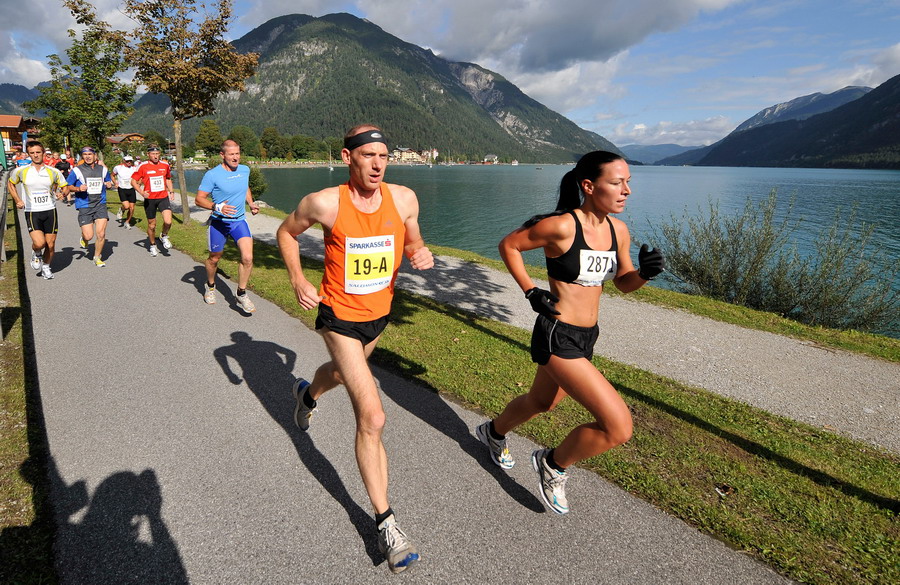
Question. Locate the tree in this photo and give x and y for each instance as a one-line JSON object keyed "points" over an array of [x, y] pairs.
{"points": [[85, 102], [303, 146], [154, 137], [246, 137], [269, 141], [188, 61], [258, 184], [209, 137]]}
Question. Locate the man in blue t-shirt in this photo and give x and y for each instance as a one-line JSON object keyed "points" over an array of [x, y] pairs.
{"points": [[225, 190]]}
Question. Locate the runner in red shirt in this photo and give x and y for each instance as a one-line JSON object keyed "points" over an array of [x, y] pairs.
{"points": [[153, 182]]}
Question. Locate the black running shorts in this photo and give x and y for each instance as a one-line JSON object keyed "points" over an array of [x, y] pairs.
{"points": [[42, 221], [152, 205], [553, 337], [365, 331]]}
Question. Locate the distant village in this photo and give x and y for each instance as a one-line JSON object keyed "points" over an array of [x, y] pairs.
{"points": [[16, 128]]}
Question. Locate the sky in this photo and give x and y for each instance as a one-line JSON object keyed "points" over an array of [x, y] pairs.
{"points": [[635, 71]]}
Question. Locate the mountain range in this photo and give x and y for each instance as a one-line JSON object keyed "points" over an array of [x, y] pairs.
{"points": [[856, 127], [321, 76], [12, 97]]}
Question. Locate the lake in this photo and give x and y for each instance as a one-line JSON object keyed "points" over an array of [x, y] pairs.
{"points": [[472, 207]]}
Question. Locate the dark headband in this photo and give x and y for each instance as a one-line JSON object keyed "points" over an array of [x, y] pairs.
{"points": [[88, 149], [366, 137]]}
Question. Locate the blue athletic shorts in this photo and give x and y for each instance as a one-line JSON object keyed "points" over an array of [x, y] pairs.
{"points": [[220, 230]]}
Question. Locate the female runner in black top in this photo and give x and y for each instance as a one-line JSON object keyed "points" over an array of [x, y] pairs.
{"points": [[584, 247]]}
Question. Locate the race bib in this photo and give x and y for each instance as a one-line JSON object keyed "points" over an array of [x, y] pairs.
{"points": [[596, 267], [157, 184], [40, 196], [95, 186], [124, 182], [368, 264]]}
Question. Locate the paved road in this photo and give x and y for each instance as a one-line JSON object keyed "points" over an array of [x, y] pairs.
{"points": [[174, 457]]}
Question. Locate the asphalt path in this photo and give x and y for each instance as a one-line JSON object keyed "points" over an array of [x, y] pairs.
{"points": [[174, 458]]}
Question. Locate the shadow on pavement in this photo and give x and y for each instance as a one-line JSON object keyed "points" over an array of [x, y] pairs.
{"points": [[64, 257], [121, 538], [267, 368], [427, 405]]}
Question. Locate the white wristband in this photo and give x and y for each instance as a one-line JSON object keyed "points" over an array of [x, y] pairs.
{"points": [[218, 208]]}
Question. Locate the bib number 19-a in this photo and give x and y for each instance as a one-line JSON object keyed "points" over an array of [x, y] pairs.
{"points": [[368, 264]]}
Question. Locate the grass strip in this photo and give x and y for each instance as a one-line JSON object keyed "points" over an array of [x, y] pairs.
{"points": [[26, 524], [817, 507]]}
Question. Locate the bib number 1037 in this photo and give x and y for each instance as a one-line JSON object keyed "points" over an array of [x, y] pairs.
{"points": [[368, 264]]}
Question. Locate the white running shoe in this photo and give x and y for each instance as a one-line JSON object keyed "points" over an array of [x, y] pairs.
{"points": [[302, 413], [119, 214], [209, 297], [552, 484], [37, 260], [165, 240], [154, 250], [499, 451], [45, 272], [396, 547], [245, 303]]}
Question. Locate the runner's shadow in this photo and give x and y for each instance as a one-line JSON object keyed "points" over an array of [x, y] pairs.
{"points": [[267, 368], [428, 405], [65, 256], [121, 537], [197, 277]]}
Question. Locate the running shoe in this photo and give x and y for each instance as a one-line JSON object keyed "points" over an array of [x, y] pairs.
{"points": [[499, 451], [245, 303], [154, 250], [37, 260], [396, 547], [45, 272], [302, 413], [119, 214], [552, 482], [82, 243], [165, 240], [209, 297], [99, 263]]}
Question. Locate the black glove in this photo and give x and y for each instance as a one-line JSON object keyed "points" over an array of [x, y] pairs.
{"points": [[651, 261], [542, 301]]}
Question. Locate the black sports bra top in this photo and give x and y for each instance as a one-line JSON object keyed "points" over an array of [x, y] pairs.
{"points": [[583, 265]]}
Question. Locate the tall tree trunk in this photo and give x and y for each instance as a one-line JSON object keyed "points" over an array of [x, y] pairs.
{"points": [[179, 169]]}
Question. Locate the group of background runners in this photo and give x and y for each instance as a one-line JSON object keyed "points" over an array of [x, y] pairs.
{"points": [[369, 225]]}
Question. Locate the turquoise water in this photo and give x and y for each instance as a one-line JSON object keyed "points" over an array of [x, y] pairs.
{"points": [[473, 207]]}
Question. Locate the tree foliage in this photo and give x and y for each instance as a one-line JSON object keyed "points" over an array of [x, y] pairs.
{"points": [[189, 61], [209, 137], [84, 101], [247, 138], [258, 184]]}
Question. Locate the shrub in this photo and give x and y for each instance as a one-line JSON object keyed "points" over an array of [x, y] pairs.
{"points": [[750, 259]]}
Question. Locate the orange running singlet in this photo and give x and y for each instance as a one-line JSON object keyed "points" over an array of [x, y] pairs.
{"points": [[363, 252]]}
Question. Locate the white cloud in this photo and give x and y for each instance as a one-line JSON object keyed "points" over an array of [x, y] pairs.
{"points": [[691, 133], [575, 87], [17, 68]]}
